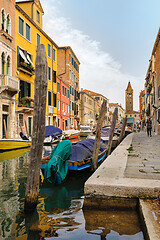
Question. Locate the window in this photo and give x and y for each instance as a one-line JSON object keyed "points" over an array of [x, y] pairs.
{"points": [[8, 25], [28, 32], [59, 122], [68, 93], [63, 90], [38, 16], [58, 87], [54, 54], [54, 76], [38, 39], [65, 107], [21, 26], [49, 50], [21, 119], [25, 91], [70, 73], [49, 98], [2, 19], [62, 106], [69, 57], [58, 105], [49, 73], [54, 100]]}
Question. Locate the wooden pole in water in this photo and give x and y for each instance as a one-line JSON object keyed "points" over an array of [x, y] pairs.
{"points": [[122, 130], [40, 92], [98, 135], [114, 118], [5, 128]]}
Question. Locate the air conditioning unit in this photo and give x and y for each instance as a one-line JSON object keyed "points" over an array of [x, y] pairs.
{"points": [[50, 110]]}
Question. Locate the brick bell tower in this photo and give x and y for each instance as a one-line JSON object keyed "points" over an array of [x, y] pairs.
{"points": [[129, 98]]}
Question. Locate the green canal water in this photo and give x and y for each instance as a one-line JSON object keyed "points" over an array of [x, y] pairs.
{"points": [[59, 214]]}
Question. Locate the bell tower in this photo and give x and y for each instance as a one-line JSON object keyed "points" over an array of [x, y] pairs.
{"points": [[129, 98]]}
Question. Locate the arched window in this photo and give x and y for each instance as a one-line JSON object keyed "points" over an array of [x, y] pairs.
{"points": [[2, 62], [2, 19], [8, 25], [8, 66]]}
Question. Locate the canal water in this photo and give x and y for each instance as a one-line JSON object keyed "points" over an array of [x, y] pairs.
{"points": [[59, 214]]}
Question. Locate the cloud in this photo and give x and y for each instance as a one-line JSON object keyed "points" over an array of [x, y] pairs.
{"points": [[99, 72]]}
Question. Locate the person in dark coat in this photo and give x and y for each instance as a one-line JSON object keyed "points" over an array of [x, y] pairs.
{"points": [[149, 127]]}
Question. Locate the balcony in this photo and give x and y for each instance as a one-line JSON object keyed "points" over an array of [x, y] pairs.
{"points": [[6, 34], [26, 104], [9, 83], [26, 68], [50, 109]]}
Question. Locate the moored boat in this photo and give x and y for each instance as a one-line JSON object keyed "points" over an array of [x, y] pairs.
{"points": [[85, 131], [11, 144], [52, 135], [80, 159], [71, 134]]}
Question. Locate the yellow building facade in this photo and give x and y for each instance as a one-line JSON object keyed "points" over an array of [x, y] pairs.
{"points": [[29, 34]]}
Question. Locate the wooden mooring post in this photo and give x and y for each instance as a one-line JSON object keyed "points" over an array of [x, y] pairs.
{"points": [[122, 130], [40, 93], [98, 135], [114, 118]]}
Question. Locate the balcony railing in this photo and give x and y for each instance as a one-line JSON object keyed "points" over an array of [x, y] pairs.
{"points": [[50, 109], [9, 83], [26, 102], [22, 66]]}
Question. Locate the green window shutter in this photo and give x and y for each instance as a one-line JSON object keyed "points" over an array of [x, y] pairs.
{"points": [[54, 54], [38, 39], [28, 34], [21, 23]]}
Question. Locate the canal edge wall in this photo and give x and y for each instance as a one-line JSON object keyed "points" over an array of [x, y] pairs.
{"points": [[109, 188]]}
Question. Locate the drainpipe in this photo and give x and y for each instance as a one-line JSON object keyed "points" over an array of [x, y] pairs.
{"points": [[32, 10]]}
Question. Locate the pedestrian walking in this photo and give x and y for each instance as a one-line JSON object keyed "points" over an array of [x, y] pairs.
{"points": [[149, 127]]}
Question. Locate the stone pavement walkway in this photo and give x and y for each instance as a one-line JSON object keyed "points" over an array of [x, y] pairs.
{"points": [[144, 157], [132, 171]]}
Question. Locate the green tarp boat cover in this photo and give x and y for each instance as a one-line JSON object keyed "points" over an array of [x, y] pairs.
{"points": [[57, 166]]}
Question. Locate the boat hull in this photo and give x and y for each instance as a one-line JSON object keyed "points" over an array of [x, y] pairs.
{"points": [[75, 166], [11, 144]]}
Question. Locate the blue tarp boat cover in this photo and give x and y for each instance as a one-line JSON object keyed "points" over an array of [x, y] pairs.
{"points": [[57, 166], [52, 131], [105, 132], [83, 150]]}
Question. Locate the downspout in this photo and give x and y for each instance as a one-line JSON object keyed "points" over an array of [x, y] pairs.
{"points": [[32, 10]]}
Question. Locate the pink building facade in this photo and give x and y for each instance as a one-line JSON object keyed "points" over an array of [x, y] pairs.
{"points": [[63, 105]]}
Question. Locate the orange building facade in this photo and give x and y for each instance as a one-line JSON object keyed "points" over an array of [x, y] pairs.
{"points": [[68, 71], [63, 105]]}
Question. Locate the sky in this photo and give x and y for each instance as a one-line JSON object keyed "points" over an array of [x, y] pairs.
{"points": [[113, 41]]}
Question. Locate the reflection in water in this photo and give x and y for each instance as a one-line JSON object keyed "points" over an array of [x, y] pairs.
{"points": [[59, 212]]}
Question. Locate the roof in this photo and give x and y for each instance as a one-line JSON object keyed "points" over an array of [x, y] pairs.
{"points": [[132, 112], [129, 87], [113, 104], [93, 93]]}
